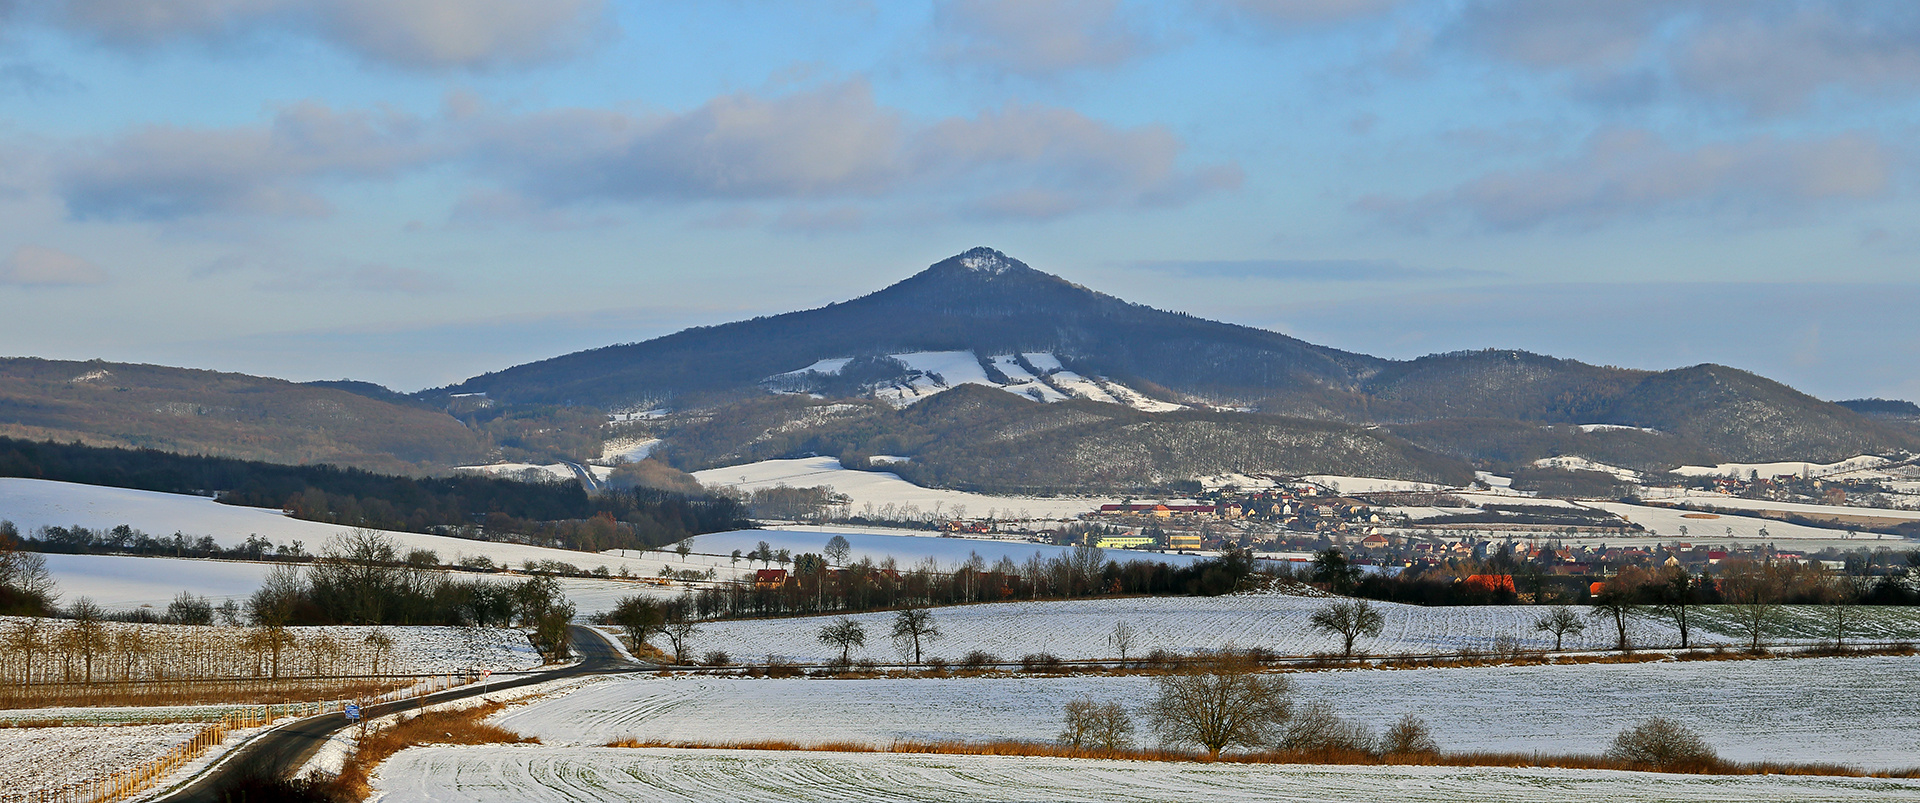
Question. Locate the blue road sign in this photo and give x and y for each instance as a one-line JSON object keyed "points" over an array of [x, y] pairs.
{"points": [[353, 711]]}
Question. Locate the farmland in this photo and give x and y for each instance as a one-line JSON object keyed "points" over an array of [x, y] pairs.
{"points": [[1833, 709], [1079, 629], [536, 774]]}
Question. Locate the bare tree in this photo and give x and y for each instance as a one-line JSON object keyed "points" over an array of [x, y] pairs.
{"points": [[86, 636], [1122, 639], [1091, 724], [913, 625], [1561, 622], [1618, 600], [1753, 590], [1679, 592], [680, 629], [379, 646], [1219, 703], [639, 618], [1348, 619], [1840, 607], [846, 634], [838, 550], [1317, 727]]}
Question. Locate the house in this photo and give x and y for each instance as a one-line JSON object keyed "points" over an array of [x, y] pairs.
{"points": [[1375, 541], [769, 578]]}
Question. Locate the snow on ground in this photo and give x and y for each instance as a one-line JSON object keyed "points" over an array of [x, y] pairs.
{"points": [[908, 550], [1615, 428], [1041, 361], [1666, 522], [627, 450], [1368, 485], [1785, 710], [416, 650], [1571, 463], [123, 583], [1765, 470], [1242, 481], [49, 758], [1710, 499], [32, 504], [552, 472], [1079, 629], [953, 368], [1076, 385], [882, 488], [534, 774], [1139, 401]]}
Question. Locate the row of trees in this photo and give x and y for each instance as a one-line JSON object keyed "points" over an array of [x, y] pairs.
{"points": [[820, 584]]}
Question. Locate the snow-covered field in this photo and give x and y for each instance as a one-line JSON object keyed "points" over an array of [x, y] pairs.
{"points": [[1368, 485], [184, 650], [124, 583], [1814, 709], [908, 550], [879, 489], [48, 758], [1768, 470], [31, 504], [1078, 629], [1666, 523], [1706, 499], [541, 774], [1041, 378]]}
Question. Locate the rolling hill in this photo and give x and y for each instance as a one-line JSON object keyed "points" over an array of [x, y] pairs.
{"points": [[191, 411]]}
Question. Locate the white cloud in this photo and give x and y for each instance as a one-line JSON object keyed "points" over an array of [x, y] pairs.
{"points": [[1036, 38], [427, 34], [1631, 173], [32, 265], [165, 172], [1766, 57], [828, 144]]}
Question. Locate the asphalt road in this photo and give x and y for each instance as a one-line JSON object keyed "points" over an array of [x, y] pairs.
{"points": [[284, 749]]}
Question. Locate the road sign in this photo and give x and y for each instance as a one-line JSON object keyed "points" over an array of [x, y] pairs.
{"points": [[353, 712]]}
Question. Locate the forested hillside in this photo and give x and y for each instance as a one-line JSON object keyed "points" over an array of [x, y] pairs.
{"points": [[232, 415]]}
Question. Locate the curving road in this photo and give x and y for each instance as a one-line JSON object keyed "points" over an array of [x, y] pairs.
{"points": [[282, 750]]}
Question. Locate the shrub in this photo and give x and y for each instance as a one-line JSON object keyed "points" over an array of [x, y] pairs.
{"points": [[716, 658], [1408, 737], [1662, 743], [979, 659], [1038, 661], [1316, 727]]}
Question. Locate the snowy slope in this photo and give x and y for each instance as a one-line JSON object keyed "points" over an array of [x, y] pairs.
{"points": [[1078, 629], [880, 488], [1765, 470], [120, 583], [1742, 708], [551, 775], [934, 372], [32, 504]]}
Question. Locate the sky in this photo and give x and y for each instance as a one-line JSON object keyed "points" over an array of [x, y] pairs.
{"points": [[415, 193]]}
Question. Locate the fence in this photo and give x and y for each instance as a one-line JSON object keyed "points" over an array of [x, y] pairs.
{"points": [[130, 783]]}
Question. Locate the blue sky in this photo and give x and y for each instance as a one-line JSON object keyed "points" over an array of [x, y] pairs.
{"points": [[413, 193]]}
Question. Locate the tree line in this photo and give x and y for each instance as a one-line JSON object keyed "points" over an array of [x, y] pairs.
{"points": [[825, 583], [464, 505]]}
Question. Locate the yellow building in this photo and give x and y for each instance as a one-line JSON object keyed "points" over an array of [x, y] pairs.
{"points": [[1124, 542], [1183, 541]]}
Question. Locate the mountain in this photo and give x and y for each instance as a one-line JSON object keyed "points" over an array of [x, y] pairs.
{"points": [[982, 302], [984, 320], [227, 415]]}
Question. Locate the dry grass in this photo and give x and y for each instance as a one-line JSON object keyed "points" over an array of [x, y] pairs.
{"points": [[1327, 756], [464, 726], [247, 691]]}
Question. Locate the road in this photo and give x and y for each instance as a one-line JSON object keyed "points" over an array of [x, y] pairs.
{"points": [[284, 749]]}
